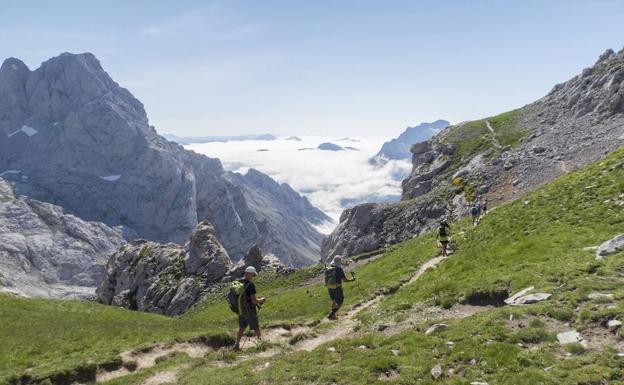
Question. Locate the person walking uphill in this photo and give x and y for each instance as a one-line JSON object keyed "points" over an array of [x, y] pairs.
{"points": [[247, 313], [444, 237], [334, 276], [475, 211]]}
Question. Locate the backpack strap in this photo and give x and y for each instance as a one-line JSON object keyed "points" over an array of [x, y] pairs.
{"points": [[240, 297]]}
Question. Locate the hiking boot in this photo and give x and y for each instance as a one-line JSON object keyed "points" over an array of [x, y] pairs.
{"points": [[332, 317]]}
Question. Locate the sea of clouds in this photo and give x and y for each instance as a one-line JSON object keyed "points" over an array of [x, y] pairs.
{"points": [[332, 180]]}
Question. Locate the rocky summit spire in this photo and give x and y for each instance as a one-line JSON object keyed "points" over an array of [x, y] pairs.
{"points": [[83, 142]]}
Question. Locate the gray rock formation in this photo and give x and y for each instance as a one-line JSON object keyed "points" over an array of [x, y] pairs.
{"points": [[498, 158], [71, 136], [261, 262], [611, 246], [165, 279], [399, 148], [46, 252]]}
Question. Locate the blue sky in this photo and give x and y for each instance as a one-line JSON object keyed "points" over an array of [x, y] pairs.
{"points": [[320, 67]]}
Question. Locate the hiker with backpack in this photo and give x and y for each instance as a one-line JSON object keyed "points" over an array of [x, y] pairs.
{"points": [[444, 237], [334, 276], [243, 301], [475, 211]]}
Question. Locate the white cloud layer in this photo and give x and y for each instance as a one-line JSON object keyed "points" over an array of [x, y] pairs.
{"points": [[332, 181]]}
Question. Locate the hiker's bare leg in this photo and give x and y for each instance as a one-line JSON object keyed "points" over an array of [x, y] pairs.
{"points": [[239, 336], [258, 333]]}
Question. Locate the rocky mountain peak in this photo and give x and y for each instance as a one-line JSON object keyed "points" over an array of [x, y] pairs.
{"points": [[70, 135], [13, 66], [598, 89]]}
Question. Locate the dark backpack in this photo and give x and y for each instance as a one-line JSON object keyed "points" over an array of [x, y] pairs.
{"points": [[474, 210], [330, 276], [443, 231], [236, 296]]}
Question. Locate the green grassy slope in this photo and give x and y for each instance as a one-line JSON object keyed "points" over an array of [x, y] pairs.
{"points": [[537, 240], [538, 243], [473, 137], [41, 337]]}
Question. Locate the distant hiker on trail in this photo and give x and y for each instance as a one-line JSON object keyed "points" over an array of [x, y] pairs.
{"points": [[475, 211], [334, 276], [483, 207], [444, 237], [247, 304]]}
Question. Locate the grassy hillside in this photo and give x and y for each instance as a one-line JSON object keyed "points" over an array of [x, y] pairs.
{"points": [[474, 137], [41, 337], [537, 241]]}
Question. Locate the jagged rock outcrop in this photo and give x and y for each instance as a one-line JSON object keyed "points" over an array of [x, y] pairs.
{"points": [[399, 148], [255, 258], [169, 278], [498, 158], [71, 136], [46, 252], [165, 279]]}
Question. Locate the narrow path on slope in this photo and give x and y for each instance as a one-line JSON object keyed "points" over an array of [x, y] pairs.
{"points": [[313, 336], [347, 323], [494, 138]]}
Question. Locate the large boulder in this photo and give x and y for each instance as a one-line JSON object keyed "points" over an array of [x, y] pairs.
{"points": [[611, 246], [166, 279], [47, 252]]}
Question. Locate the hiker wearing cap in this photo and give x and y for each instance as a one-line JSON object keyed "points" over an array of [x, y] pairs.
{"points": [[444, 236], [334, 276], [248, 315]]}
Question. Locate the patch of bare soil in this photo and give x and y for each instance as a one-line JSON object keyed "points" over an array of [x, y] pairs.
{"points": [[140, 360], [168, 377], [422, 314], [598, 336]]}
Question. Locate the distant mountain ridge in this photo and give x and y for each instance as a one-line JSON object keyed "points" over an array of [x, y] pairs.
{"points": [[399, 148], [71, 136], [184, 140]]}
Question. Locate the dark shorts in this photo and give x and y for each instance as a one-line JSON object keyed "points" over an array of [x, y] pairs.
{"points": [[336, 295], [250, 319]]}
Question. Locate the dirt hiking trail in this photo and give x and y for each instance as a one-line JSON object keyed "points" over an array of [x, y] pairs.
{"points": [[277, 339]]}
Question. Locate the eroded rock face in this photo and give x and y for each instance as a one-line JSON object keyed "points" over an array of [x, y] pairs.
{"points": [[71, 136], [47, 252], [166, 279], [576, 124], [261, 262]]}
